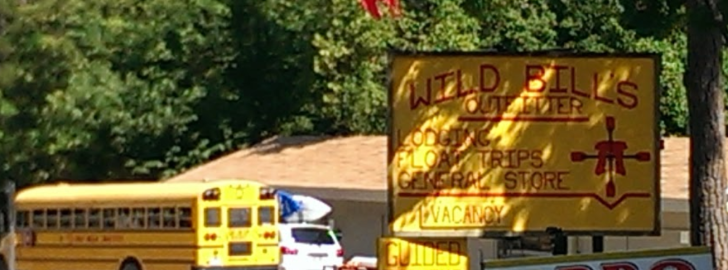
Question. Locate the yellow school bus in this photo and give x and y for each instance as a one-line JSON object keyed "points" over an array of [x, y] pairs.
{"points": [[7, 226], [226, 224]]}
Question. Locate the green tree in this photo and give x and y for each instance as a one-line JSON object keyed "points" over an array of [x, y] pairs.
{"points": [[138, 89], [106, 88], [521, 25]]}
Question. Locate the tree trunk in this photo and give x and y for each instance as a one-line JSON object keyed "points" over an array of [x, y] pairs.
{"points": [[708, 216]]}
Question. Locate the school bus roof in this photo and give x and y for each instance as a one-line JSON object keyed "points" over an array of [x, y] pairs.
{"points": [[69, 193]]}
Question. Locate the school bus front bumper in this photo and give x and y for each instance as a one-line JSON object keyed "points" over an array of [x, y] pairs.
{"points": [[257, 267]]}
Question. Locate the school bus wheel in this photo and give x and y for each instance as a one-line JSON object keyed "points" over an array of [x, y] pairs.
{"points": [[130, 264]]}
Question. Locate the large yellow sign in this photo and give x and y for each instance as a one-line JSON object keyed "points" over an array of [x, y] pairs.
{"points": [[484, 144], [422, 254]]}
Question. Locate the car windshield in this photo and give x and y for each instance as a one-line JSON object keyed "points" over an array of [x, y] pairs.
{"points": [[317, 236]]}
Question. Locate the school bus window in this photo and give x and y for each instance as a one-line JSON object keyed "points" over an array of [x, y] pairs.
{"points": [[185, 217], [94, 218], [239, 217], [79, 218], [265, 215], [65, 218], [6, 220], [123, 218], [109, 218], [51, 218], [4, 225], [169, 217], [212, 217], [5, 214], [38, 218], [138, 219], [21, 219], [154, 219]]}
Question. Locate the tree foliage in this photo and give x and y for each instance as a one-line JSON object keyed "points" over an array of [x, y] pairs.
{"points": [[141, 89]]}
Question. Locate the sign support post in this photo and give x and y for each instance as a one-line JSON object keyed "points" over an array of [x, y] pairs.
{"points": [[597, 243], [559, 241]]}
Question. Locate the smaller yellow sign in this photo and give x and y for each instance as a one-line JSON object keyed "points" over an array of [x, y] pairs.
{"points": [[422, 254]]}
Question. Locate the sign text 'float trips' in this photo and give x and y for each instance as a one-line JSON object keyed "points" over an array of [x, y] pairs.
{"points": [[492, 143]]}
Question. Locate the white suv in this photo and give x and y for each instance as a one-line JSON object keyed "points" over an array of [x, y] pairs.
{"points": [[309, 247]]}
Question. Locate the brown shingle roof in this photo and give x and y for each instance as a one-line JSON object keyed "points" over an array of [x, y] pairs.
{"points": [[359, 162]]}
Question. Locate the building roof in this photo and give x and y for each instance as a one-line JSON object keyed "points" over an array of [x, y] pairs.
{"points": [[359, 163]]}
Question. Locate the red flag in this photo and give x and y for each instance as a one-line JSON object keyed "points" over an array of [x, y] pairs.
{"points": [[371, 7], [393, 7]]}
